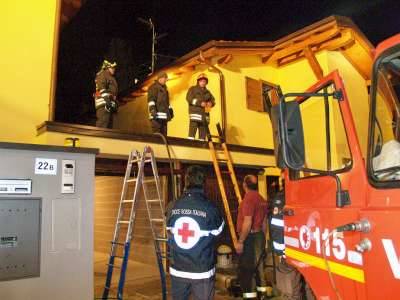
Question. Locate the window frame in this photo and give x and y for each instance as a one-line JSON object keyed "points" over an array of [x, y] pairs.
{"points": [[373, 181], [294, 174]]}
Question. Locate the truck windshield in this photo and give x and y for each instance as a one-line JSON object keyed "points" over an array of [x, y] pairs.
{"points": [[386, 134]]}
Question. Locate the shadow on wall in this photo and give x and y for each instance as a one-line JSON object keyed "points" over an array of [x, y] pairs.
{"points": [[234, 134], [133, 117]]}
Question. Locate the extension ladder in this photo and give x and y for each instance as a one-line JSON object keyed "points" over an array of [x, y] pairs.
{"points": [[126, 218], [223, 157]]}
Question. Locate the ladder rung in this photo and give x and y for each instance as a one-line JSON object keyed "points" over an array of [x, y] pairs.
{"points": [[225, 172], [161, 239], [144, 181], [124, 222], [117, 256], [118, 243], [114, 266], [137, 160], [222, 159], [157, 220], [127, 201], [153, 200]]}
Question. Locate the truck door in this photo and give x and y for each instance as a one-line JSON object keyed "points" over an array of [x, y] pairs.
{"points": [[331, 145], [382, 262]]}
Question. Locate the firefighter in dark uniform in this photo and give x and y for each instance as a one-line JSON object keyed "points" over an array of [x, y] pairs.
{"points": [[160, 111], [200, 102], [289, 281], [194, 223], [251, 227], [106, 95]]}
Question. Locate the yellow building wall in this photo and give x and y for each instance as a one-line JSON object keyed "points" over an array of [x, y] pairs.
{"points": [[244, 126], [357, 94], [298, 76], [26, 51], [251, 128]]}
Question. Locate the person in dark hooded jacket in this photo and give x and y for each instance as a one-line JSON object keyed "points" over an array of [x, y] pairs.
{"points": [[200, 102], [160, 111]]}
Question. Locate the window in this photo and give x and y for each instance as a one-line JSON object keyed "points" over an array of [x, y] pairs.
{"points": [[261, 95], [325, 139], [385, 151]]}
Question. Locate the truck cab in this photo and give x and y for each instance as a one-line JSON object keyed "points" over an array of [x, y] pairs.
{"points": [[342, 233]]}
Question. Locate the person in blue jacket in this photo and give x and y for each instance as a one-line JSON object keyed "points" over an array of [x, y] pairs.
{"points": [[194, 223]]}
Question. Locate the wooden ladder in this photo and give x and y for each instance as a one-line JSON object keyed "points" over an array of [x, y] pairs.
{"points": [[220, 155]]}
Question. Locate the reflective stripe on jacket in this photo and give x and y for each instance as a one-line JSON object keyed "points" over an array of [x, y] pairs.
{"points": [[193, 222], [158, 102], [195, 96]]}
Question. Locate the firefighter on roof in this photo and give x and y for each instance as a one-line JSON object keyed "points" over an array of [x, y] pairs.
{"points": [[251, 227], [194, 223], [200, 102], [106, 95], [160, 112]]}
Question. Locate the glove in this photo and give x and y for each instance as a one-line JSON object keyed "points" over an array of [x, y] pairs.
{"points": [[171, 113], [111, 106]]}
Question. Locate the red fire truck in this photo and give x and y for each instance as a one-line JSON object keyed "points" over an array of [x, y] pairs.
{"points": [[342, 234]]}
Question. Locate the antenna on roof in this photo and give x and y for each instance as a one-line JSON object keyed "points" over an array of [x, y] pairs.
{"points": [[155, 37]]}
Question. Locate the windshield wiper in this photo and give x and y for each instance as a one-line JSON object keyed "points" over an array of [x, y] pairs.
{"points": [[389, 171]]}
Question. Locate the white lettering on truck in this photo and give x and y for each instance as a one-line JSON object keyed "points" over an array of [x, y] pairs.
{"points": [[337, 247], [392, 257]]}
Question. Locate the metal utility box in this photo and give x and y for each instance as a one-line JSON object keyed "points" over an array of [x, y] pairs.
{"points": [[46, 222], [19, 238]]}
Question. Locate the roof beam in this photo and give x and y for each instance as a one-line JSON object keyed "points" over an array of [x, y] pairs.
{"points": [[225, 59], [313, 62], [308, 40]]}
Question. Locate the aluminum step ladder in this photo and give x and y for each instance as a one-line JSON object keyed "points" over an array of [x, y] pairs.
{"points": [[120, 250], [220, 155]]}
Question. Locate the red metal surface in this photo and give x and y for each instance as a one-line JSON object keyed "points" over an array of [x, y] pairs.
{"points": [[313, 202], [386, 44]]}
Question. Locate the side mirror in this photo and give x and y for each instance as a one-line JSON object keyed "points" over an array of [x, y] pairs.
{"points": [[288, 135]]}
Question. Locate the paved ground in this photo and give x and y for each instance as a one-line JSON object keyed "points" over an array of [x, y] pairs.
{"points": [[142, 281]]}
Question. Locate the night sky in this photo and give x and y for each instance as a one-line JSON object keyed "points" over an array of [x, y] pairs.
{"points": [[109, 29]]}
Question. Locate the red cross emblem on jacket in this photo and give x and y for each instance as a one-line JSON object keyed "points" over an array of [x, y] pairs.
{"points": [[185, 232]]}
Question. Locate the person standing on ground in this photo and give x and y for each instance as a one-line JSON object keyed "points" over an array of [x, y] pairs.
{"points": [[160, 111], [251, 227], [193, 223]]}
